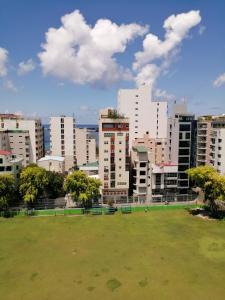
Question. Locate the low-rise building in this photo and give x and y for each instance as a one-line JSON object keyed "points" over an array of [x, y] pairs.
{"points": [[152, 181], [52, 163], [90, 168], [9, 164]]}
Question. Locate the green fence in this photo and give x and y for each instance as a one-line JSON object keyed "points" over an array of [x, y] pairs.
{"points": [[92, 211]]}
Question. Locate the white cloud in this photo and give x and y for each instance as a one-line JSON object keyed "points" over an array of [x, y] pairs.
{"points": [[162, 94], [201, 29], [220, 80], [85, 54], [157, 54], [9, 85], [3, 61], [25, 67]]}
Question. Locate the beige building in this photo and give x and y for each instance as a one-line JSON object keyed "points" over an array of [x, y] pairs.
{"points": [[114, 155], [218, 144], [8, 164], [203, 140], [85, 147], [52, 163], [211, 142], [70, 142], [152, 181], [156, 146], [24, 137]]}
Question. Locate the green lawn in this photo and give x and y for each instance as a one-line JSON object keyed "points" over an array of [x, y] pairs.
{"points": [[165, 254]]}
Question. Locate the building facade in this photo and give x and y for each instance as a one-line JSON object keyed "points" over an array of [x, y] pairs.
{"points": [[70, 142], [9, 164], [182, 144], [25, 137], [217, 146], [85, 147], [144, 114], [114, 162], [203, 140], [52, 163]]}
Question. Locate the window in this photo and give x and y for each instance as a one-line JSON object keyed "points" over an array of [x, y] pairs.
{"points": [[185, 127], [142, 181], [142, 165], [120, 142], [8, 168], [108, 125], [142, 173], [1, 160], [2, 169], [105, 159]]}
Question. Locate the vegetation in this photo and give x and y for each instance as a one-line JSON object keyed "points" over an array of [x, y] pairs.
{"points": [[211, 183], [33, 183], [7, 190], [155, 255], [82, 188], [113, 114], [54, 187]]}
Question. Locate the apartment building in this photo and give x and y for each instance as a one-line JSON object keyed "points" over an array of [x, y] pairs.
{"points": [[156, 146], [85, 147], [203, 140], [144, 114], [24, 137], [151, 180], [9, 164], [74, 144], [182, 135], [63, 140], [114, 155], [217, 146]]}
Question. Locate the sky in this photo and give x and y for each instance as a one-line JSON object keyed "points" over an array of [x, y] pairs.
{"points": [[64, 57]]}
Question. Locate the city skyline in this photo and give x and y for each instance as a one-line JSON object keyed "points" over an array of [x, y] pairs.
{"points": [[176, 47]]}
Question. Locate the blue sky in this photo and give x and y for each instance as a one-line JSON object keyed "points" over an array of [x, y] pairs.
{"points": [[191, 67]]}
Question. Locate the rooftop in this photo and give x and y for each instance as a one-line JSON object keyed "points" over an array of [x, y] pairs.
{"points": [[5, 153], [140, 149], [51, 157]]}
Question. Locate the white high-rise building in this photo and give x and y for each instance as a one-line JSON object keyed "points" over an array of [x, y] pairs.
{"points": [[145, 116], [62, 139], [70, 142], [114, 159], [25, 137]]}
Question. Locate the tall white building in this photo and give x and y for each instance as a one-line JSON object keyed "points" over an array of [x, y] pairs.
{"points": [[114, 155], [63, 139], [144, 114], [70, 142], [25, 137]]}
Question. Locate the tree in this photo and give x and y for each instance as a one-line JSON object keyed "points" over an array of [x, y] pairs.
{"points": [[33, 183], [211, 183], [82, 188], [7, 190], [54, 187]]}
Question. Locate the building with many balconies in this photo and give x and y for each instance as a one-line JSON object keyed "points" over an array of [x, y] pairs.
{"points": [[114, 162]]}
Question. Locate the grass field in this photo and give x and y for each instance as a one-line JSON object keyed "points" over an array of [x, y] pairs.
{"points": [[165, 254]]}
